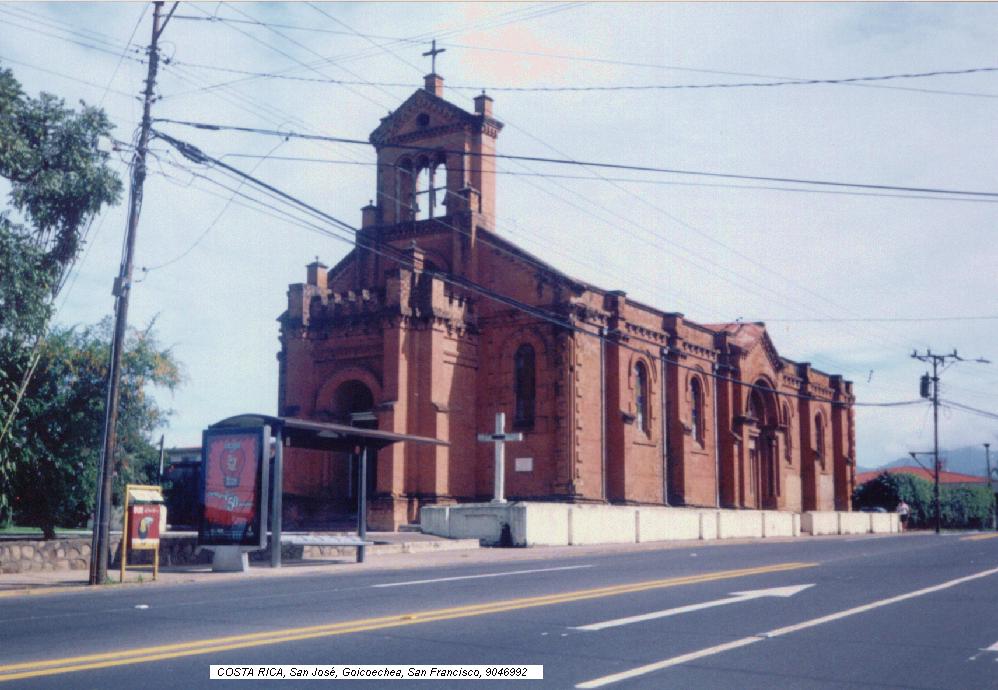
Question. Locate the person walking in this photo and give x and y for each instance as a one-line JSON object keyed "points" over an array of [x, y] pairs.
{"points": [[903, 510]]}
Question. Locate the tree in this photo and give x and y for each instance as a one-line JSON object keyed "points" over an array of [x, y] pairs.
{"points": [[887, 489], [60, 426], [961, 506], [58, 182]]}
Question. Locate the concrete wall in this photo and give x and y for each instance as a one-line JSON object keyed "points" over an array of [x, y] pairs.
{"points": [[817, 523], [602, 525], [883, 523], [660, 524], [559, 524], [854, 523]]}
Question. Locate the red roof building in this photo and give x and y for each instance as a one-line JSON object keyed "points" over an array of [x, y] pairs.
{"points": [[944, 476]]}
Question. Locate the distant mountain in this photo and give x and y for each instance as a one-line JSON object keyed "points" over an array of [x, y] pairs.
{"points": [[968, 460]]}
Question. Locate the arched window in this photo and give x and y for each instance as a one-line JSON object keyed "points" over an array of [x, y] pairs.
{"points": [[819, 438], [525, 387], [641, 396], [438, 190], [696, 410], [421, 200], [757, 411]]}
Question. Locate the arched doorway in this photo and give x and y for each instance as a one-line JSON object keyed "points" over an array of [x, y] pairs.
{"points": [[760, 432], [353, 404]]}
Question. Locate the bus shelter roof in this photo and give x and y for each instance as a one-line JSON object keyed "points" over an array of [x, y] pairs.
{"points": [[303, 433]]}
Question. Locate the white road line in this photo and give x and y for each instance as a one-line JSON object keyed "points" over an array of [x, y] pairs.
{"points": [[778, 632], [734, 598], [476, 577]]}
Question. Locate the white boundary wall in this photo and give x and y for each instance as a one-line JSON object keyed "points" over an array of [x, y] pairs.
{"points": [[560, 524]]}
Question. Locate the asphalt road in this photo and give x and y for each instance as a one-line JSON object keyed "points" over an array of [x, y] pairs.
{"points": [[869, 612]]}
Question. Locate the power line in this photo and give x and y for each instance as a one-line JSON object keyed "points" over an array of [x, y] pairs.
{"points": [[106, 88], [588, 200], [885, 319], [384, 48], [968, 408], [592, 164], [196, 155], [700, 70], [501, 19], [612, 87], [635, 180], [124, 53], [83, 44]]}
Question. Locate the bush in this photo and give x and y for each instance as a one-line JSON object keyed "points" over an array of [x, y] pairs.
{"points": [[966, 506], [887, 490], [961, 507]]}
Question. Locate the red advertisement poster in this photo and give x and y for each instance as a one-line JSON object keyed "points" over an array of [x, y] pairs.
{"points": [[143, 526], [232, 492]]}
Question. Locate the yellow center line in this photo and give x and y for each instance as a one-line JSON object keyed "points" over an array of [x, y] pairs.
{"points": [[978, 537], [123, 657]]}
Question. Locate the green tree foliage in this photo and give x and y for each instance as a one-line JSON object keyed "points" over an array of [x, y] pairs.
{"points": [[886, 490], [57, 181], [60, 427], [966, 506], [961, 506]]}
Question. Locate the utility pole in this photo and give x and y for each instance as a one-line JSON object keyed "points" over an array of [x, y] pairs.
{"points": [[934, 394], [991, 491], [121, 291]]}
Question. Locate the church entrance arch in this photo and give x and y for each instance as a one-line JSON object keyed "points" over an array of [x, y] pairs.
{"points": [[762, 422], [353, 404]]}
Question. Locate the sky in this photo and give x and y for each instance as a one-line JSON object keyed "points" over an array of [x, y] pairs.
{"points": [[849, 279]]}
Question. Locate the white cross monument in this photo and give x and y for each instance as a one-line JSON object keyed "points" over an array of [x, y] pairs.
{"points": [[499, 438]]}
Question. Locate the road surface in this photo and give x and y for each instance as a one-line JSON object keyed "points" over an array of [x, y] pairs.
{"points": [[872, 612]]}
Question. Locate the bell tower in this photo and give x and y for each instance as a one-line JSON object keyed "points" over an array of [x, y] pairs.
{"points": [[435, 160]]}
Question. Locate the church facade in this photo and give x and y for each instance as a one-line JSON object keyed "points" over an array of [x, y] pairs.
{"points": [[433, 323]]}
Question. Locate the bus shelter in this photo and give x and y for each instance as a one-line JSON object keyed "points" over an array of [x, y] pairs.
{"points": [[289, 432]]}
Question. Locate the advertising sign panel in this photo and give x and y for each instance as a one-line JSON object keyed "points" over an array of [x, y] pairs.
{"points": [[234, 487], [143, 526]]}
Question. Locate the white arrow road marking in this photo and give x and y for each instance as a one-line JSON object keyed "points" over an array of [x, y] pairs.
{"points": [[734, 598], [992, 648], [476, 577], [752, 639]]}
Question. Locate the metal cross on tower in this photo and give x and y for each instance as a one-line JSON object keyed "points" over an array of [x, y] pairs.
{"points": [[432, 53], [499, 438]]}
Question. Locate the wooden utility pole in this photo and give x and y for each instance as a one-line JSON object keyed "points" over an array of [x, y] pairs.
{"points": [[121, 291], [936, 361]]}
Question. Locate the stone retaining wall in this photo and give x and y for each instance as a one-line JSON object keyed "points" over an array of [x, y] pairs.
{"points": [[180, 548], [35, 555]]}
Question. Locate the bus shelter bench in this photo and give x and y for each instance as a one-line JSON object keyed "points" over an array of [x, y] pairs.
{"points": [[327, 540]]}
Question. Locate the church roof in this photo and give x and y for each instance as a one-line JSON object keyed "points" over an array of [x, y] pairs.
{"points": [[422, 99], [743, 335], [746, 336]]}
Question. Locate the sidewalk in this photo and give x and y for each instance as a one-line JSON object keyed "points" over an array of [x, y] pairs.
{"points": [[392, 550], [403, 550]]}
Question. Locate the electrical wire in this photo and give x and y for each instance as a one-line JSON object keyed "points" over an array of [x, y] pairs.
{"points": [[590, 164], [967, 408], [607, 88], [633, 180], [195, 155]]}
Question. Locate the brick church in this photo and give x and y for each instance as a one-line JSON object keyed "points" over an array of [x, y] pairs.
{"points": [[433, 323]]}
